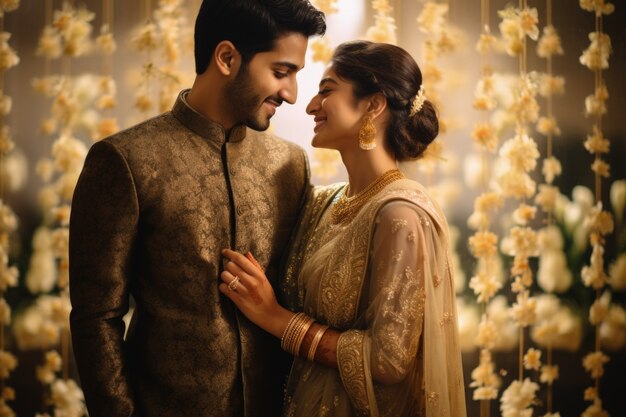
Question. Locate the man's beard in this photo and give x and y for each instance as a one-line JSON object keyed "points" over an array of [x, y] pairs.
{"points": [[245, 103]]}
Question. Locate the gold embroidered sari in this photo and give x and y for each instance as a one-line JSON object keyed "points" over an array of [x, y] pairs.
{"points": [[385, 281]]}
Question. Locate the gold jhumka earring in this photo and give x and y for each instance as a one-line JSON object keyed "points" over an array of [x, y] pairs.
{"points": [[367, 134]]}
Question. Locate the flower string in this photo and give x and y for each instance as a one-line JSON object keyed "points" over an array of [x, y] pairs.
{"points": [[483, 244], [9, 274], [600, 222]]}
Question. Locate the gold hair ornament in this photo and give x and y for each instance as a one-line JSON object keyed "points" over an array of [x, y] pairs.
{"points": [[418, 101]]}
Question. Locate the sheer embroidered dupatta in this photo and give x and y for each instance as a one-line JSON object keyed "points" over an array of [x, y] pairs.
{"points": [[385, 281]]}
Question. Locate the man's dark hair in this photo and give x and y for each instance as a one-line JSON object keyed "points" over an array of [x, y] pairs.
{"points": [[251, 25]]}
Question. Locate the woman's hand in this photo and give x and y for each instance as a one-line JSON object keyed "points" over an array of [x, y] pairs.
{"points": [[247, 286]]}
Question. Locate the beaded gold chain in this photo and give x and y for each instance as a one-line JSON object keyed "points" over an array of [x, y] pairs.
{"points": [[347, 207]]}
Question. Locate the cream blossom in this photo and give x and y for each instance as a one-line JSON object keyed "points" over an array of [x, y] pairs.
{"points": [[594, 106], [8, 6], [8, 57], [553, 274], [601, 167], [524, 214], [485, 381], [600, 309], [484, 286], [618, 199], [487, 43], [146, 38], [67, 398], [550, 43], [557, 325], [518, 398], [594, 363], [485, 136], [483, 244], [106, 42], [42, 270], [326, 6], [517, 184], [551, 169], [532, 359], [499, 314], [8, 362], [50, 43], [595, 410], [599, 7], [487, 336], [548, 126], [321, 51], [521, 152], [550, 85], [547, 196], [593, 275], [68, 154], [613, 328], [523, 311], [617, 273], [596, 56], [596, 142], [6, 104], [33, 328], [432, 17], [549, 374], [598, 220]]}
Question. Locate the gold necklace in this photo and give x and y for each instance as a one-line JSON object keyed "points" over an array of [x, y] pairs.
{"points": [[348, 207]]}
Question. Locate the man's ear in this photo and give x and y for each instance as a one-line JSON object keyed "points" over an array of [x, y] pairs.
{"points": [[227, 58]]}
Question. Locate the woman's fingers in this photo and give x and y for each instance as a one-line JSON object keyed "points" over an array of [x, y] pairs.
{"points": [[243, 262]]}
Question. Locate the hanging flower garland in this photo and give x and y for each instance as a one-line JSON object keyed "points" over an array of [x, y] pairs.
{"points": [[384, 28], [74, 99], [553, 274], [521, 154], [8, 220], [483, 244], [160, 39], [599, 222]]}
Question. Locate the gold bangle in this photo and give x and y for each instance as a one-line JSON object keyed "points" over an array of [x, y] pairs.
{"points": [[301, 334], [316, 342], [286, 339]]}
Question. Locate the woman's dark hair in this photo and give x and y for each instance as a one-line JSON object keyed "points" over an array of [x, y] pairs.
{"points": [[390, 70], [251, 25]]}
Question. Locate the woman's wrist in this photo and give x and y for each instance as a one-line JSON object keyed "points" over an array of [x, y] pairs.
{"points": [[277, 322]]}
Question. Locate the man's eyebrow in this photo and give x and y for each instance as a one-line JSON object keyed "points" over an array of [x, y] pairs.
{"points": [[291, 66]]}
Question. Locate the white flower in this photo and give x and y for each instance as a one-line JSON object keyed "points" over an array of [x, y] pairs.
{"points": [[532, 359], [485, 286], [321, 51], [41, 274], [618, 198], [67, 398], [484, 379], [487, 336], [68, 153], [617, 273], [557, 326], [593, 275], [8, 363], [521, 152], [599, 221], [524, 214], [523, 311], [49, 43], [550, 43], [594, 363], [553, 274], [613, 329], [547, 197], [549, 374], [432, 17], [518, 398], [595, 410], [600, 309], [8, 57], [596, 56], [599, 7], [507, 334]]}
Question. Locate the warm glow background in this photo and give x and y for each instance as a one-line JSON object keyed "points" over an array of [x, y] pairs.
{"points": [[292, 123]]}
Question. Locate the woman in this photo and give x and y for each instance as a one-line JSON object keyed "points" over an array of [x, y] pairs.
{"points": [[369, 272]]}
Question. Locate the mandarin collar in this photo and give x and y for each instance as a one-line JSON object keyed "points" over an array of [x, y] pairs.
{"points": [[202, 126]]}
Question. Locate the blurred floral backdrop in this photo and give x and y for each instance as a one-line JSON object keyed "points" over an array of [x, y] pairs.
{"points": [[528, 168]]}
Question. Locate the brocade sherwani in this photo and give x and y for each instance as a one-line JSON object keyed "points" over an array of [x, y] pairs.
{"points": [[153, 208]]}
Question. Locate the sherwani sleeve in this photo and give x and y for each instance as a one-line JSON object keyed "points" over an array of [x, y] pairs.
{"points": [[385, 350], [103, 227]]}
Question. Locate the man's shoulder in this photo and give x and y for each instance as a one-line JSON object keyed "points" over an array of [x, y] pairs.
{"points": [[148, 130]]}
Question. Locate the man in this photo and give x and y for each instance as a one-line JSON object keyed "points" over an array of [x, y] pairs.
{"points": [[156, 203]]}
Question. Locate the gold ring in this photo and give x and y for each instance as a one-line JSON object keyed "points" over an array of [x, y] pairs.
{"points": [[233, 284]]}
